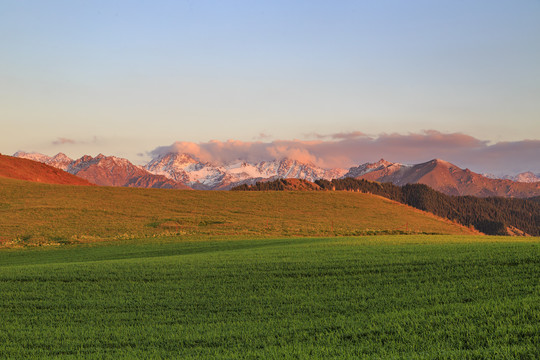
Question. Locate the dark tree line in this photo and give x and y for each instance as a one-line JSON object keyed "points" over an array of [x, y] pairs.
{"points": [[491, 215], [536, 198], [276, 185]]}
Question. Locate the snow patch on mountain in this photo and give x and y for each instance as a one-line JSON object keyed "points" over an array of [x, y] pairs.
{"points": [[173, 170], [525, 177], [206, 175], [59, 161], [376, 166]]}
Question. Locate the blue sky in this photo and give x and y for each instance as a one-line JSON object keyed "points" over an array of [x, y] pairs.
{"points": [[124, 77]]}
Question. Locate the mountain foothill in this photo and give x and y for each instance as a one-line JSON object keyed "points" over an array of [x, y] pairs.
{"points": [[493, 206]]}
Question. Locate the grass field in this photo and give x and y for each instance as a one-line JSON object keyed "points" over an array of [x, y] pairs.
{"points": [[142, 273], [377, 297], [33, 213]]}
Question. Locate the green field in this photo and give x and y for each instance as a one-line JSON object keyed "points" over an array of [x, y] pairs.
{"points": [[437, 297], [41, 214], [101, 272]]}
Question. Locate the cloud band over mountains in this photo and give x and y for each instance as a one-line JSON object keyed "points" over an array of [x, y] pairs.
{"points": [[354, 148]]}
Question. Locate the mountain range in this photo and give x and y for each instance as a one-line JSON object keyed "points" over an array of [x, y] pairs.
{"points": [[526, 177], [105, 170], [444, 177], [185, 171]]}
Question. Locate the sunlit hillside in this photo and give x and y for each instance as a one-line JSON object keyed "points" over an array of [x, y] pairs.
{"points": [[43, 213]]}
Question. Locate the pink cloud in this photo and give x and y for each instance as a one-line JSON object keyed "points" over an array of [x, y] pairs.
{"points": [[351, 149]]}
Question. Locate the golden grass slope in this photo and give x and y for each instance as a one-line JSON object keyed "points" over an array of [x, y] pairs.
{"points": [[43, 213]]}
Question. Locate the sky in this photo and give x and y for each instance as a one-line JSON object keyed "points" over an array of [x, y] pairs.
{"points": [[457, 80]]}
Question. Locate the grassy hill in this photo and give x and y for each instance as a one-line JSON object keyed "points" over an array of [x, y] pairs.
{"points": [[489, 215], [377, 297], [44, 213], [29, 170]]}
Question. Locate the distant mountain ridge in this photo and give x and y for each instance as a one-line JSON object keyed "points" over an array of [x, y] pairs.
{"points": [[181, 170], [59, 161], [526, 177], [208, 176], [105, 170], [444, 177]]}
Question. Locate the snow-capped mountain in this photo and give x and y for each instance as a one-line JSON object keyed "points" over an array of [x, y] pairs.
{"points": [[32, 156], [381, 167], [180, 171], [59, 161], [490, 176], [186, 169], [205, 175], [174, 170], [525, 177]]}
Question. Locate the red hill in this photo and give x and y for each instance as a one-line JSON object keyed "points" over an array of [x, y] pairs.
{"points": [[29, 170]]}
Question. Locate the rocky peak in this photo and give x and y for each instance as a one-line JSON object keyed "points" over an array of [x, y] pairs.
{"points": [[370, 167], [84, 158], [440, 162], [383, 162], [60, 161], [32, 156], [177, 158], [61, 157]]}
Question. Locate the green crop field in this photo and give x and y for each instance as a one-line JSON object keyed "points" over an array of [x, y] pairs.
{"points": [[376, 297], [33, 213], [98, 272]]}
